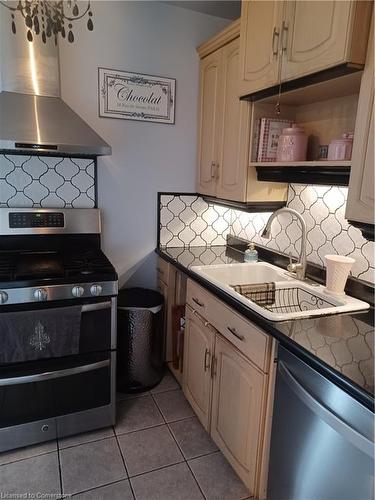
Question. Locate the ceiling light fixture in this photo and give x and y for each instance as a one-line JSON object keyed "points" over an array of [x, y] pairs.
{"points": [[48, 18]]}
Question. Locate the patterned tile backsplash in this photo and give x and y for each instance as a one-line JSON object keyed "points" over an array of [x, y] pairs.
{"points": [[188, 220], [46, 181]]}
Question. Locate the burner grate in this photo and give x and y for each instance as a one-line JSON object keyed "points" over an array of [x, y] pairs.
{"points": [[87, 263]]}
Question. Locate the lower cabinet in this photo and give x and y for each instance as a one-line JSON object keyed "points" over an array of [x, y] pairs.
{"points": [[227, 390], [198, 355], [237, 403]]}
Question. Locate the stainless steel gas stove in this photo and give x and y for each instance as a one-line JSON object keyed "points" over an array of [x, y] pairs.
{"points": [[57, 325]]}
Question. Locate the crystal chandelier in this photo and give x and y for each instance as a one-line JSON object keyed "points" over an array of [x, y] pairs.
{"points": [[49, 18]]}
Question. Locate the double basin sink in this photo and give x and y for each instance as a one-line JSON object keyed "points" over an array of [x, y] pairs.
{"points": [[274, 293]]}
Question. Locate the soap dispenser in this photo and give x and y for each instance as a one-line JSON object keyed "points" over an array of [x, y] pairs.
{"points": [[251, 255]]}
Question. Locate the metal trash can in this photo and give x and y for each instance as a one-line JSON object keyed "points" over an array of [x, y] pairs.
{"points": [[140, 339]]}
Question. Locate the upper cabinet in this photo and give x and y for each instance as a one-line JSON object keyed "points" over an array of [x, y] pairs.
{"points": [[232, 147], [260, 38], [282, 41], [209, 127], [361, 204], [224, 127]]}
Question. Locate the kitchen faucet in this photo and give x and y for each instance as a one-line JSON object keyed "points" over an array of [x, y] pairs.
{"points": [[299, 268]]}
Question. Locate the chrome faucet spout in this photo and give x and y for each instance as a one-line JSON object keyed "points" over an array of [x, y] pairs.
{"points": [[298, 268]]}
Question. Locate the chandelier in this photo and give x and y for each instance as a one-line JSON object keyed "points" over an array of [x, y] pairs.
{"points": [[49, 18]]}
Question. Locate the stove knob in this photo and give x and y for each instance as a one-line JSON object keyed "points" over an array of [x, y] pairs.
{"points": [[95, 290], [3, 297], [40, 294], [78, 291]]}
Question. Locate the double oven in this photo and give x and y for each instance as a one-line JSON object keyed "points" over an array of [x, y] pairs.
{"points": [[57, 329]]}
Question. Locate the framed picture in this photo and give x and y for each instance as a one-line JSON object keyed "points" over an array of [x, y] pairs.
{"points": [[134, 96]]}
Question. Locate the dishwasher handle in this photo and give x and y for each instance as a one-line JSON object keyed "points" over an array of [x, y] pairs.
{"points": [[361, 442]]}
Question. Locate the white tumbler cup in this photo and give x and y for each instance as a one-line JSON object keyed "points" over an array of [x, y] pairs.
{"points": [[337, 271]]}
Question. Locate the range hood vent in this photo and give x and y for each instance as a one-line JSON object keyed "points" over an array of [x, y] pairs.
{"points": [[33, 117]]}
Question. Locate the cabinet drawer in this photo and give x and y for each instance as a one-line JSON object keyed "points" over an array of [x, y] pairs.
{"points": [[248, 339], [163, 270], [201, 300]]}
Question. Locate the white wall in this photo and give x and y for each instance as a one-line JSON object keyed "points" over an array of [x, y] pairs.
{"points": [[153, 38]]}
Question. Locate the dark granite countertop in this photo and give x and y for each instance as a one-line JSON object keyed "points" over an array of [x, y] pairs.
{"points": [[340, 346]]}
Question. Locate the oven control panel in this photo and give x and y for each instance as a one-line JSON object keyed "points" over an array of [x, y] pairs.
{"points": [[36, 219]]}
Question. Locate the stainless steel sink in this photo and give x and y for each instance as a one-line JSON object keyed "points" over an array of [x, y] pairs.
{"points": [[274, 294]]}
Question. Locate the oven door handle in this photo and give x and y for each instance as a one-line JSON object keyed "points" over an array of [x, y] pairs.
{"points": [[96, 307], [40, 377]]}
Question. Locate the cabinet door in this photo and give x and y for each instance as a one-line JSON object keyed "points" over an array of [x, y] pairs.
{"points": [[234, 134], [237, 409], [317, 36], [210, 115], [361, 203], [198, 348], [260, 33]]}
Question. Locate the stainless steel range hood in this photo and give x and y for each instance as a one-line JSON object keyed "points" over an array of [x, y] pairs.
{"points": [[33, 117]]}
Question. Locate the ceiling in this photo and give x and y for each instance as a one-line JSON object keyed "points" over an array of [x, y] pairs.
{"points": [[221, 8]]}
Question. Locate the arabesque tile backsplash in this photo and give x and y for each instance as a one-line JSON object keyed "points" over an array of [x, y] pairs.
{"points": [[188, 220], [47, 181]]}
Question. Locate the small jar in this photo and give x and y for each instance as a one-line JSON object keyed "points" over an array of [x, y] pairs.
{"points": [[341, 149], [292, 144]]}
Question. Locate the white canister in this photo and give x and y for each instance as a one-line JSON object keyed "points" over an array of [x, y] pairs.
{"points": [[292, 144], [337, 271], [341, 149]]}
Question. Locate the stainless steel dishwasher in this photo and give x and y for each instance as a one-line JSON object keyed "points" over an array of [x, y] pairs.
{"points": [[322, 441]]}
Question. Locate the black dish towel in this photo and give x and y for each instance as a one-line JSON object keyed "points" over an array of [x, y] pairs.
{"points": [[38, 334]]}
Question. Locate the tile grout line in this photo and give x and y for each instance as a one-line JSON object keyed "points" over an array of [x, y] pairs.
{"points": [[182, 453], [141, 429], [187, 463], [98, 487], [59, 464], [26, 458], [86, 442], [157, 469], [123, 461]]}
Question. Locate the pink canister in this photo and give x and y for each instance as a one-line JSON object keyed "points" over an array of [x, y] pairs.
{"points": [[292, 144], [341, 149]]}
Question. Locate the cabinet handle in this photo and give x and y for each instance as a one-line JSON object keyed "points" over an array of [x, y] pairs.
{"points": [[284, 36], [217, 170], [213, 166], [206, 323], [200, 304], [234, 332], [275, 41], [207, 356]]}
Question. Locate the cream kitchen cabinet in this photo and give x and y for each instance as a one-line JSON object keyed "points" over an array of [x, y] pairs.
{"points": [[320, 35], [361, 204], [228, 379], [261, 23], [300, 38], [198, 353], [224, 127], [209, 127], [237, 409]]}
